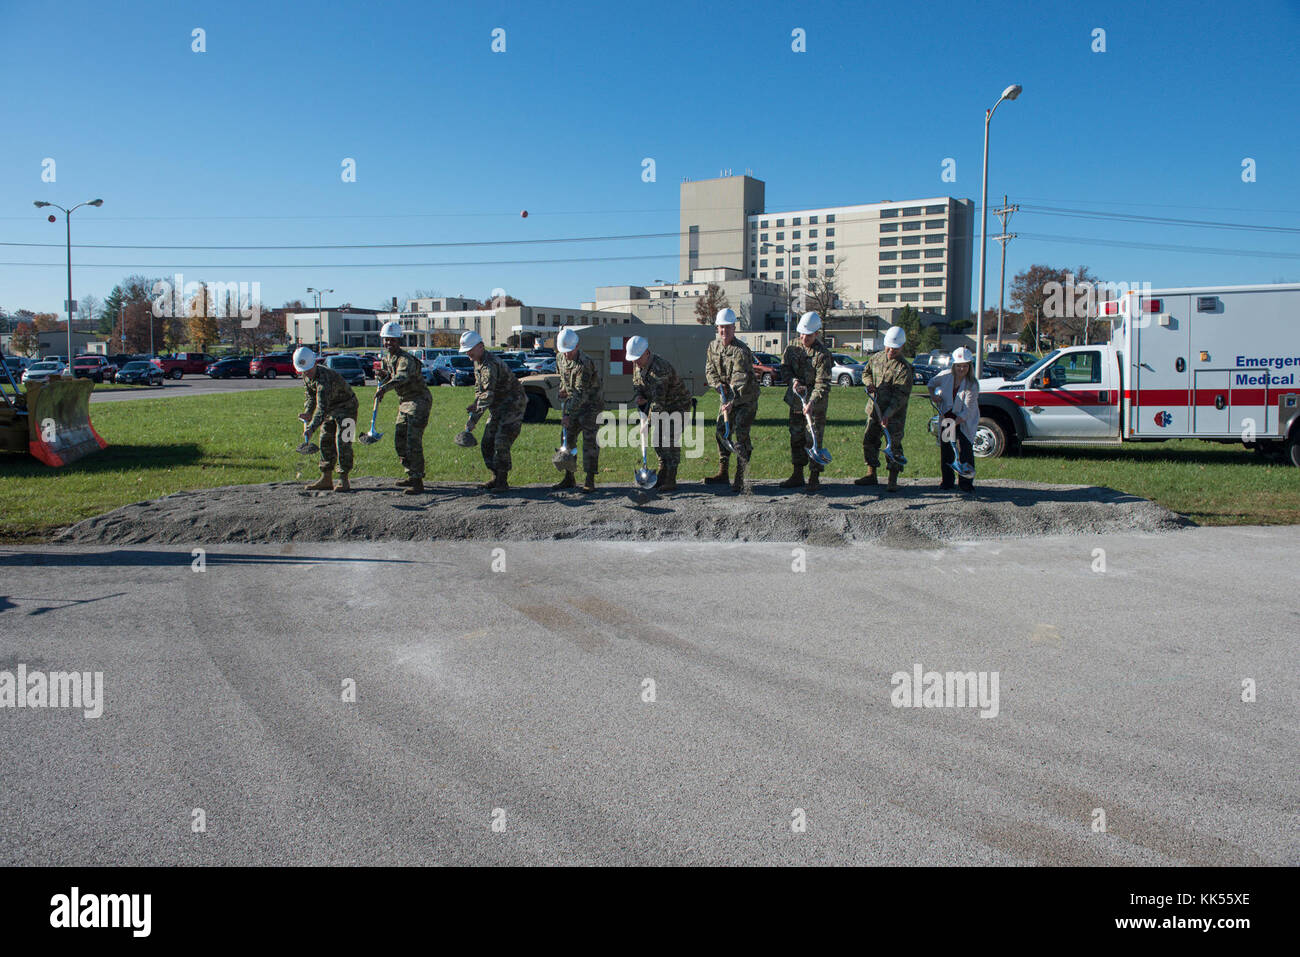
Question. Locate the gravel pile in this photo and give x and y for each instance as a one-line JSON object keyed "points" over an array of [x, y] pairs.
{"points": [[919, 516]]}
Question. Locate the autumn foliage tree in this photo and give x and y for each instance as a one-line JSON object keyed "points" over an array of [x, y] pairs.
{"points": [[24, 341]]}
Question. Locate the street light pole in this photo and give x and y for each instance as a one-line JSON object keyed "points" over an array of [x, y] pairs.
{"points": [[67, 213], [1010, 93]]}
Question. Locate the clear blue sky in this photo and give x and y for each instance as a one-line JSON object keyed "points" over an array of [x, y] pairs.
{"points": [[242, 145]]}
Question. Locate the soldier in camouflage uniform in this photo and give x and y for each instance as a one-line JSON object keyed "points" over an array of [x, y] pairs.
{"points": [[498, 393], [730, 365], [888, 379], [580, 391], [402, 372], [806, 364], [660, 391], [331, 407]]}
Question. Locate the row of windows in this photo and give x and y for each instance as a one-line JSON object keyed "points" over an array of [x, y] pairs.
{"points": [[912, 240], [794, 234], [794, 261], [908, 283], [913, 211], [914, 254], [794, 248], [794, 274], [892, 270], [911, 227], [797, 221], [911, 297]]}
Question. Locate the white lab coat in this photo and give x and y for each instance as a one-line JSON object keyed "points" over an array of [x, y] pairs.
{"points": [[962, 401]]}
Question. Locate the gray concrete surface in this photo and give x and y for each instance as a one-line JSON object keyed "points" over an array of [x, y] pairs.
{"points": [[192, 385], [841, 513], [521, 689]]}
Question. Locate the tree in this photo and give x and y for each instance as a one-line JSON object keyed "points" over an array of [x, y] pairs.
{"points": [[46, 322], [910, 320], [709, 304], [929, 340], [822, 293], [1062, 300], [499, 302], [24, 341], [87, 307]]}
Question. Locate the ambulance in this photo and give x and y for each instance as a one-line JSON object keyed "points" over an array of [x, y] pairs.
{"points": [[1215, 363]]}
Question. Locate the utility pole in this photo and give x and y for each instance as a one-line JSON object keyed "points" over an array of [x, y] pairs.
{"points": [[1003, 213]]}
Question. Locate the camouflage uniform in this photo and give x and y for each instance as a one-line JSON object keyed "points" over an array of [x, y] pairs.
{"points": [[893, 381], [581, 380], [499, 393], [664, 391], [812, 367], [403, 374], [732, 366], [331, 407]]}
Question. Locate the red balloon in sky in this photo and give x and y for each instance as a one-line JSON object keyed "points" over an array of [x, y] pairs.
{"points": [[524, 213], [53, 218]]}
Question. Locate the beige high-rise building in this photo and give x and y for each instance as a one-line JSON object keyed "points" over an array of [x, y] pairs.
{"points": [[881, 256]]}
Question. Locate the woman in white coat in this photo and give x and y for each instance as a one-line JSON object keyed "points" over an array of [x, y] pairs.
{"points": [[956, 394]]}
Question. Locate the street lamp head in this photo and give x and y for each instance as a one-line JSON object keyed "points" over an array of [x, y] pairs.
{"points": [[40, 204], [96, 202], [1011, 92]]}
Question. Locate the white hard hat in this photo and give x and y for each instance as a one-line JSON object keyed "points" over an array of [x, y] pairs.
{"points": [[567, 340], [962, 354], [725, 318], [809, 323], [303, 359], [895, 337], [469, 339], [636, 348], [391, 330]]}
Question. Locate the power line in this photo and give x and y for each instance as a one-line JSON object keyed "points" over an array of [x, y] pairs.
{"points": [[1156, 220]]}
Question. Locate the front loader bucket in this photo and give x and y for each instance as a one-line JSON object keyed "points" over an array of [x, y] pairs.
{"points": [[58, 421]]}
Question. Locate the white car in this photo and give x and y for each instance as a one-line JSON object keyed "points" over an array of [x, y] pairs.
{"points": [[847, 371], [43, 370]]}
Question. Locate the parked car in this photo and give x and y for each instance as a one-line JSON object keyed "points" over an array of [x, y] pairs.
{"points": [[543, 351], [541, 365], [17, 365], [516, 366], [923, 370], [192, 363], [349, 367], [847, 371], [230, 368], [140, 372], [43, 370], [94, 367], [453, 370], [1022, 359], [1006, 365], [767, 368], [273, 364]]}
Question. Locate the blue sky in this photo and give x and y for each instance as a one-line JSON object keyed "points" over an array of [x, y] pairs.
{"points": [[242, 145]]}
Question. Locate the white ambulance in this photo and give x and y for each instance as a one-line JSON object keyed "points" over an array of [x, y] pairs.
{"points": [[1215, 363]]}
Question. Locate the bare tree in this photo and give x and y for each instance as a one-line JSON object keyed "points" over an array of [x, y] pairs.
{"points": [[708, 305]]}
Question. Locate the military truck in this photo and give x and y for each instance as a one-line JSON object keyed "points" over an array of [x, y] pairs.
{"points": [[682, 345]]}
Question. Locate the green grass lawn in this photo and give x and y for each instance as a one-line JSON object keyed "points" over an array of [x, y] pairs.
{"points": [[163, 445]]}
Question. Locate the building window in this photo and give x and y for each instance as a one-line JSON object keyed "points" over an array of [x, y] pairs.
{"points": [[911, 240], [934, 282], [888, 297], [888, 213], [763, 237], [934, 253], [829, 259], [762, 275], [794, 274], [779, 224], [812, 220], [889, 227], [780, 236], [931, 210], [888, 270], [812, 233], [889, 241], [912, 211], [934, 223], [911, 283], [910, 269], [934, 297], [762, 264], [795, 234], [912, 254], [911, 297], [812, 247], [938, 238], [909, 227], [796, 221], [830, 218], [781, 261], [763, 224], [812, 260], [933, 267], [541, 317], [888, 256], [794, 260], [830, 245], [779, 274], [830, 232], [888, 283]]}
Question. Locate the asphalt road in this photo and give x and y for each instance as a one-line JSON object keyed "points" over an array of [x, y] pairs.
{"points": [[192, 385], [518, 695]]}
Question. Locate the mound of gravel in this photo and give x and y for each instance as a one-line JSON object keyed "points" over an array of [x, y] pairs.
{"points": [[918, 516]]}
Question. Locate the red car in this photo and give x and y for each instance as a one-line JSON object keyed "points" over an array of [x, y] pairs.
{"points": [[195, 363], [767, 368], [273, 364], [94, 367]]}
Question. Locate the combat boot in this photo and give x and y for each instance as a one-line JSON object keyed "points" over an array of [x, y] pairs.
{"points": [[814, 480], [723, 476], [322, 484], [893, 481], [667, 480], [566, 482], [740, 485], [404, 482], [869, 478], [795, 480], [415, 488], [487, 486], [499, 483], [588, 483], [343, 485]]}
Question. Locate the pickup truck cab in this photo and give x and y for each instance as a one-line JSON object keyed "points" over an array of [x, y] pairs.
{"points": [[192, 363]]}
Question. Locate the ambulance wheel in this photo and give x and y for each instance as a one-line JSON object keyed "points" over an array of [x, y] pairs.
{"points": [[990, 439], [1293, 448]]}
